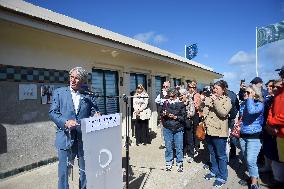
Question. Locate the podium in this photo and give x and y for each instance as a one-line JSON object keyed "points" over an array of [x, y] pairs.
{"points": [[103, 151]]}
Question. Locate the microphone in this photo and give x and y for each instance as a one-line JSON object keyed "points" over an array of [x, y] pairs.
{"points": [[125, 98], [88, 92], [94, 94]]}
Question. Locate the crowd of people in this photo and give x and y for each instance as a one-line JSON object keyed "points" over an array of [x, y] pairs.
{"points": [[256, 114], [259, 113]]}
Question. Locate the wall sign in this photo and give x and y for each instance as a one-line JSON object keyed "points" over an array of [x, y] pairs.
{"points": [[46, 93], [27, 91]]}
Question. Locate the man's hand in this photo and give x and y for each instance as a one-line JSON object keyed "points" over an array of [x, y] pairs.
{"points": [[172, 116], [271, 130], [96, 114], [71, 123]]}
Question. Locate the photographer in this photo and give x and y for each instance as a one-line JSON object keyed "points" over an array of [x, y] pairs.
{"points": [[275, 126], [215, 110], [251, 111], [242, 90]]}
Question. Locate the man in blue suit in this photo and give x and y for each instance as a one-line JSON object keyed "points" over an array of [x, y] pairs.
{"points": [[68, 107]]}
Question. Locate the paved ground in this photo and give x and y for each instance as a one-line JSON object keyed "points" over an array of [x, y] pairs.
{"points": [[147, 172]]}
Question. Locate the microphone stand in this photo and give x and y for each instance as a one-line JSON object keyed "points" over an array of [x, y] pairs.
{"points": [[127, 139], [125, 99]]}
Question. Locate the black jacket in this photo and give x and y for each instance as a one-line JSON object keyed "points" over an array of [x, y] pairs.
{"points": [[235, 104], [178, 109]]}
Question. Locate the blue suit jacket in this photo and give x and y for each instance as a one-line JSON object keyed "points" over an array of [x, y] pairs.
{"points": [[62, 109]]}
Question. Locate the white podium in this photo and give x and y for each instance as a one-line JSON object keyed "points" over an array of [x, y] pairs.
{"points": [[103, 151]]}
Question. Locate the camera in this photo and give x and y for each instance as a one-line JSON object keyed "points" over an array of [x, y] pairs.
{"points": [[281, 74], [207, 93]]}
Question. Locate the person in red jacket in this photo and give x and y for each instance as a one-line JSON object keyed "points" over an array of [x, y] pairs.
{"points": [[275, 126], [275, 118]]}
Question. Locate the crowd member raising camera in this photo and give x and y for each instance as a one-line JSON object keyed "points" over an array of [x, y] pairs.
{"points": [[251, 111], [215, 109]]}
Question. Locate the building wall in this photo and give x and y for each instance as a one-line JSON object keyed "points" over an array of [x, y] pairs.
{"points": [[29, 132]]}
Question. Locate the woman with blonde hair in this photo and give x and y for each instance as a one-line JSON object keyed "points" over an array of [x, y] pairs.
{"points": [[251, 115], [141, 114]]}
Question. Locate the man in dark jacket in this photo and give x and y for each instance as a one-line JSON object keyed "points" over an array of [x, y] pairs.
{"points": [[173, 118], [231, 120], [242, 90]]}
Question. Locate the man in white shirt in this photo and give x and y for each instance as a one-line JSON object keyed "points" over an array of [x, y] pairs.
{"points": [[66, 111]]}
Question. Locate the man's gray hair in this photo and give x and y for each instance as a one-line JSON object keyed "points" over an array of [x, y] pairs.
{"points": [[81, 72]]}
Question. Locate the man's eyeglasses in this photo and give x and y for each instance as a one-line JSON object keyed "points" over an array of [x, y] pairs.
{"points": [[172, 96], [165, 86]]}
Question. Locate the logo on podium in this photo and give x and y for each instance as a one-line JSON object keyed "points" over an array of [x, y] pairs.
{"points": [[103, 151]]}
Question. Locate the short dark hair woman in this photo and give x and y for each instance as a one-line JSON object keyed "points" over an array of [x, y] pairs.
{"points": [[173, 118]]}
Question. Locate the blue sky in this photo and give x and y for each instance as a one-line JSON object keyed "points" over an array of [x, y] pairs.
{"points": [[224, 30]]}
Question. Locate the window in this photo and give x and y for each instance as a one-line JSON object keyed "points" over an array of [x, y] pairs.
{"points": [[200, 86], [159, 84], [105, 83], [188, 81], [177, 81]]}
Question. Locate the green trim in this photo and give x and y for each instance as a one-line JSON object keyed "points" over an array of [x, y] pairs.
{"points": [[35, 75], [27, 167]]}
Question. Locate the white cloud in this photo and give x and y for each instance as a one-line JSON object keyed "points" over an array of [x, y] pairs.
{"points": [[242, 64], [144, 37], [229, 75], [242, 58], [206, 56], [150, 37], [160, 38], [275, 53]]}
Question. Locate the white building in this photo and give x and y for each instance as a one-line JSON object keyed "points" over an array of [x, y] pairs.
{"points": [[38, 46]]}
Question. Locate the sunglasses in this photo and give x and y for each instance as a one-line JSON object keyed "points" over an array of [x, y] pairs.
{"points": [[247, 92], [192, 87]]}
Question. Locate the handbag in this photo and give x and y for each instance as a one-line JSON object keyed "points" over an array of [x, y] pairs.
{"points": [[200, 131], [236, 131]]}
